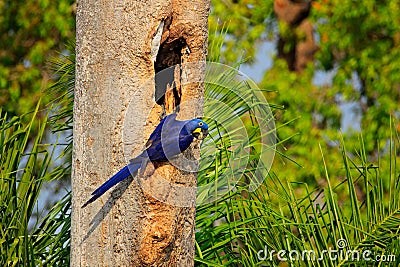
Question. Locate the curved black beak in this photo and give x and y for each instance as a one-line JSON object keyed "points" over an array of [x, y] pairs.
{"points": [[200, 133]]}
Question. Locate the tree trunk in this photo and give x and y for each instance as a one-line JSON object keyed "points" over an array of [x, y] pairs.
{"points": [[120, 45], [297, 45]]}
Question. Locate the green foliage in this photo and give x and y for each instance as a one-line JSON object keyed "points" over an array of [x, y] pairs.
{"points": [[361, 39], [314, 119], [232, 231], [358, 43], [25, 167], [242, 134], [244, 25], [31, 30], [62, 94], [354, 195], [335, 194]]}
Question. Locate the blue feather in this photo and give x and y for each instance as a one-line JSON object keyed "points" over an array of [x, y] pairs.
{"points": [[118, 177]]}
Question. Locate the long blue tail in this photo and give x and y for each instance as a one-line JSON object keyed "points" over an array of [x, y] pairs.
{"points": [[118, 177]]}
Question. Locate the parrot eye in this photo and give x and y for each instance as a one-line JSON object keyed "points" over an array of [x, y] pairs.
{"points": [[201, 123]]}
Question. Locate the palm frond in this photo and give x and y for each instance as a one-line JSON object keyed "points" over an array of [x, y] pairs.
{"points": [[25, 166], [242, 226], [62, 91]]}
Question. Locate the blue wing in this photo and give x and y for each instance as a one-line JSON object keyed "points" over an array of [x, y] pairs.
{"points": [[156, 134], [166, 140], [173, 142]]}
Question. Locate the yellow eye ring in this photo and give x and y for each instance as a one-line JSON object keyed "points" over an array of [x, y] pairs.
{"points": [[200, 123]]}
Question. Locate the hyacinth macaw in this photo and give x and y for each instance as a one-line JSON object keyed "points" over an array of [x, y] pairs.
{"points": [[163, 144]]}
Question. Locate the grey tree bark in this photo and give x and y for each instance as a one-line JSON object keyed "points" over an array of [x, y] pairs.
{"points": [[116, 44]]}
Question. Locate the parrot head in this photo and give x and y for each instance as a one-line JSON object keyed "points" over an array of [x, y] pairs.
{"points": [[197, 128]]}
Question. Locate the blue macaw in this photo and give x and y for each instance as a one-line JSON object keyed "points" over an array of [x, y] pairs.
{"points": [[163, 144]]}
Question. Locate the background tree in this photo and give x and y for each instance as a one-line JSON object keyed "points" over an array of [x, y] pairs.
{"points": [[296, 42], [31, 31], [354, 67]]}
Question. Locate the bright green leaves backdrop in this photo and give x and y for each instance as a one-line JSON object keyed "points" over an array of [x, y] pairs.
{"points": [[361, 40], [357, 62], [244, 25], [350, 192], [30, 31]]}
